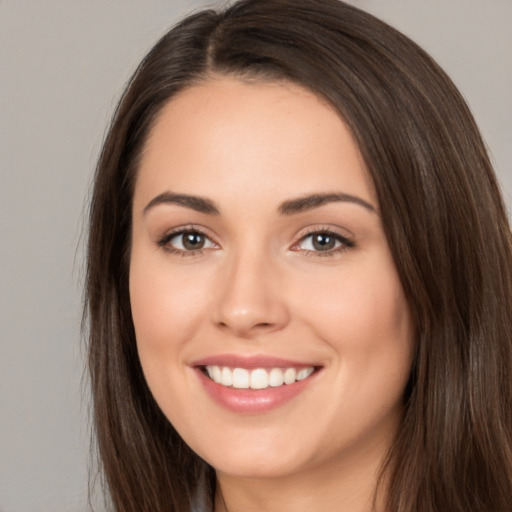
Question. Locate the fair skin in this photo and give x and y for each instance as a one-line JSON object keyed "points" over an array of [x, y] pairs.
{"points": [[228, 264]]}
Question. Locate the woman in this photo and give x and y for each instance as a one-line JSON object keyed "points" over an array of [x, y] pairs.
{"points": [[299, 286]]}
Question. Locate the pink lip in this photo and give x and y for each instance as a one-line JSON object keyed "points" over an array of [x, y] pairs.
{"points": [[250, 362], [251, 401]]}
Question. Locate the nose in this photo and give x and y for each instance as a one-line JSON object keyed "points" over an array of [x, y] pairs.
{"points": [[251, 300]]}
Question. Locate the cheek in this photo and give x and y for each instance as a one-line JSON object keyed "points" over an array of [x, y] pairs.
{"points": [[359, 305], [364, 318], [165, 307]]}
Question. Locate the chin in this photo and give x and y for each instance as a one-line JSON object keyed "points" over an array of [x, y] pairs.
{"points": [[261, 467], [249, 459]]}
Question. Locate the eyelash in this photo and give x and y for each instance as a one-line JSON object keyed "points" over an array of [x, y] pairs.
{"points": [[164, 241], [344, 242]]}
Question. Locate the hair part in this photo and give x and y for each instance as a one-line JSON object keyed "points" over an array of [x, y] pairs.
{"points": [[442, 213]]}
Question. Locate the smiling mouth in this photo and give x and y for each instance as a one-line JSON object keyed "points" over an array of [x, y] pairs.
{"points": [[257, 378]]}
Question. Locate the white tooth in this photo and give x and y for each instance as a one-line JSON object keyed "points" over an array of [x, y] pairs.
{"points": [[259, 379], [289, 375], [226, 377], [304, 373], [276, 377], [216, 374], [209, 371], [240, 378]]}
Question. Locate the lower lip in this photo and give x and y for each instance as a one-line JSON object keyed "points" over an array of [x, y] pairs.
{"points": [[251, 401]]}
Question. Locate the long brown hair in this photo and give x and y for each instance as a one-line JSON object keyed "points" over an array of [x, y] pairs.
{"points": [[443, 216]]}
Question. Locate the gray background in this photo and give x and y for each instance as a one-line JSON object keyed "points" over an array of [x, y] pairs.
{"points": [[62, 67]]}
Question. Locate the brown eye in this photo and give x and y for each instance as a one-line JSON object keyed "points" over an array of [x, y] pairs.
{"points": [[193, 241], [186, 242], [323, 242]]}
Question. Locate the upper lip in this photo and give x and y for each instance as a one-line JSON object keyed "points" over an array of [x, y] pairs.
{"points": [[250, 362]]}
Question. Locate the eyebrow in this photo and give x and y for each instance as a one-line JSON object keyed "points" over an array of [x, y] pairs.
{"points": [[290, 207], [309, 202], [199, 204]]}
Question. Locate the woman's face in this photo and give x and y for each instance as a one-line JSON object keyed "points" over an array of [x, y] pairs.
{"points": [[271, 324]]}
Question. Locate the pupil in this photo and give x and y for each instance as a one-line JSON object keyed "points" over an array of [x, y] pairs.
{"points": [[323, 242], [193, 241]]}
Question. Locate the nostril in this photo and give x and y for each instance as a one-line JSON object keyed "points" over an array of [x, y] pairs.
{"points": [[248, 319]]}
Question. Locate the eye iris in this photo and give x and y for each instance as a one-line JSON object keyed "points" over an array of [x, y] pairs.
{"points": [[193, 241], [323, 242]]}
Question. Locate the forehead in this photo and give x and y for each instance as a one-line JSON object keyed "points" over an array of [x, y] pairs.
{"points": [[233, 134]]}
